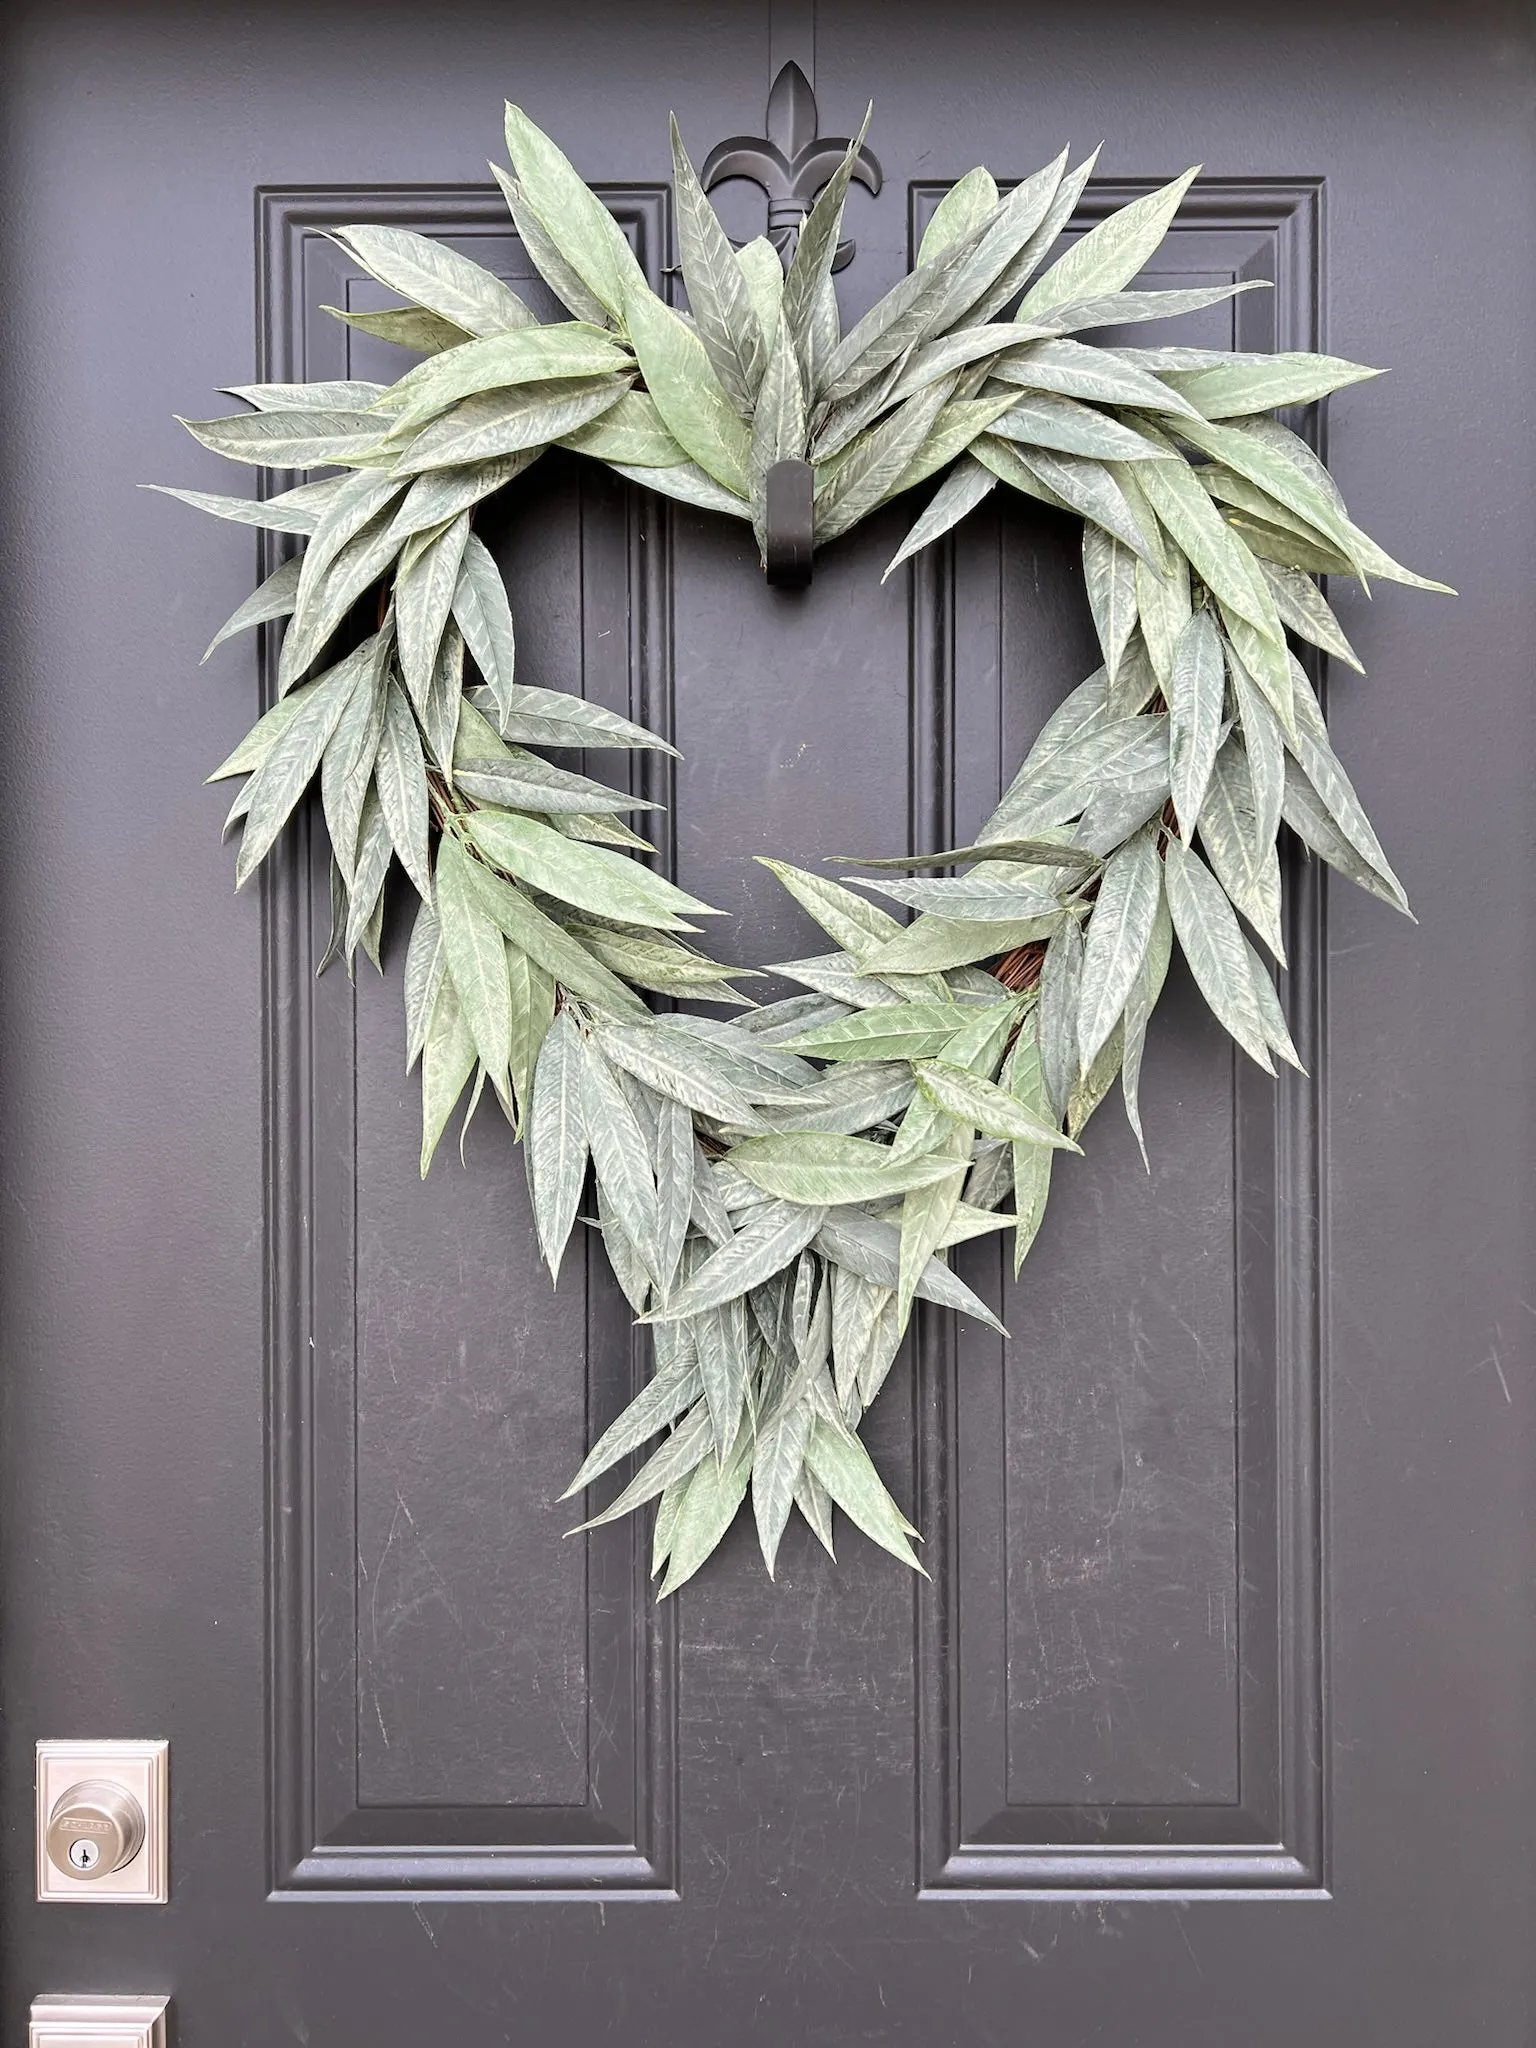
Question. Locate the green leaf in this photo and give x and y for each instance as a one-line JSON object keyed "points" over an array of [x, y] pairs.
{"points": [[869, 1246], [296, 511], [1248, 384], [273, 599], [689, 485], [1163, 605], [677, 1066], [1036, 210], [476, 958], [843, 1466], [1303, 607], [554, 718], [667, 1396], [870, 471], [1049, 421], [289, 763], [846, 918], [1067, 481], [1111, 254], [901, 1031], [708, 1508], [1025, 1081], [1056, 1026], [591, 877], [555, 950], [958, 423], [1267, 664], [1109, 577], [763, 270], [406, 327], [1126, 309], [424, 604], [677, 1457], [1037, 852], [1119, 932], [777, 1457], [717, 289], [620, 1154], [918, 305], [555, 1135], [820, 1168], [495, 423], [991, 1109], [660, 963], [543, 252], [1077, 370], [533, 1013], [448, 1059], [527, 782], [480, 606], [1265, 744], [423, 978], [1214, 549], [565, 350], [588, 237], [338, 394], [676, 1153], [961, 492], [983, 896], [772, 1237], [1196, 695], [809, 276], [680, 377], [968, 202], [1246, 865], [1213, 944], [1145, 990], [1276, 1030], [1325, 774], [933, 944], [374, 852], [288, 440], [630, 432], [435, 277], [402, 778]]}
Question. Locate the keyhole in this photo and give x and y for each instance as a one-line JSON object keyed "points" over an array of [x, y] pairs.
{"points": [[84, 1855]]}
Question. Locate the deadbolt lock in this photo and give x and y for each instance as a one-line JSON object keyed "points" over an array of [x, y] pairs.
{"points": [[95, 1829], [101, 1822]]}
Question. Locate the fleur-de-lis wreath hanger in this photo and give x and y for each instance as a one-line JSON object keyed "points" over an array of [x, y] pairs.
{"points": [[791, 163]]}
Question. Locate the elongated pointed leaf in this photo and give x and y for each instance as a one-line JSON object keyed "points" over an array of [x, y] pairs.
{"points": [[669, 1395], [1197, 690], [475, 956], [688, 394], [900, 1031], [844, 1468], [620, 1154], [436, 277], [771, 1237], [290, 762], [1109, 255], [961, 492], [591, 877], [1213, 944], [1245, 863], [990, 1108], [447, 1061], [556, 1139], [588, 237], [1119, 933], [717, 289]]}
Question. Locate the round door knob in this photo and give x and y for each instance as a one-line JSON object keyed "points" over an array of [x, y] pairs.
{"points": [[94, 1829]]}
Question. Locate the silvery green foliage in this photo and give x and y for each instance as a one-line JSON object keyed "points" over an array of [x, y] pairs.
{"points": [[776, 1191]]}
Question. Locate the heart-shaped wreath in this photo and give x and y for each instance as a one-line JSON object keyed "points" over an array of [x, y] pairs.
{"points": [[774, 1190]]}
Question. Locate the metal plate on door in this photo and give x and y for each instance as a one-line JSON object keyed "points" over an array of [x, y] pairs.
{"points": [[102, 1822], [96, 2022]]}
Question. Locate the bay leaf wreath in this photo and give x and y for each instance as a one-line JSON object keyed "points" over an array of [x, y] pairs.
{"points": [[774, 1190]]}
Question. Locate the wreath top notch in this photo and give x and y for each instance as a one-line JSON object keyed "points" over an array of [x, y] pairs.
{"points": [[775, 1189]]}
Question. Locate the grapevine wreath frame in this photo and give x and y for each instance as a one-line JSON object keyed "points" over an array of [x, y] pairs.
{"points": [[774, 1189]]}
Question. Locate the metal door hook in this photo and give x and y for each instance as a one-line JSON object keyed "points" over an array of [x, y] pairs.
{"points": [[789, 492]]}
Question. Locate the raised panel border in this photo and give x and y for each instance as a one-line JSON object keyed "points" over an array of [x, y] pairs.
{"points": [[1273, 1841], [323, 1841]]}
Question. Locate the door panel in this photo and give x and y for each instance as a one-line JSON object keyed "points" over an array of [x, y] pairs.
{"points": [[1211, 1724]]}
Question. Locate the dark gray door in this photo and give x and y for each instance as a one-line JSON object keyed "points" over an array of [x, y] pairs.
{"points": [[1214, 1723]]}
